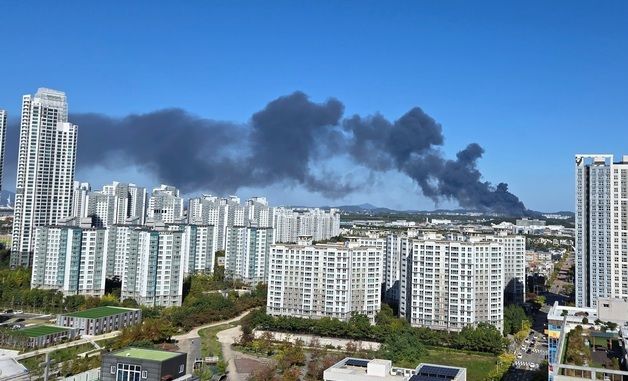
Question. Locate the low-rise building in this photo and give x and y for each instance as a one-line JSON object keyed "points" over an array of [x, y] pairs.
{"points": [[131, 364], [99, 320], [355, 369], [37, 336], [11, 370], [588, 343]]}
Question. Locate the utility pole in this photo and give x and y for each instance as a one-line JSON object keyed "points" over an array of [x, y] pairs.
{"points": [[47, 364]]}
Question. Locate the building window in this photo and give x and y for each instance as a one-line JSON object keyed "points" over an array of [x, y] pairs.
{"points": [[144, 374], [128, 372], [181, 368], [113, 369]]}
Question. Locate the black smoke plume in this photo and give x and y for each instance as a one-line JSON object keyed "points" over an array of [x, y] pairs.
{"points": [[287, 142]]}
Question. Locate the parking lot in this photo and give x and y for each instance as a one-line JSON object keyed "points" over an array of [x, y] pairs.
{"points": [[19, 319]]}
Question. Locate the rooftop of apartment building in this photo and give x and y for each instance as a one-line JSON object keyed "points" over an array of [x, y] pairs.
{"points": [[306, 240], [355, 369]]}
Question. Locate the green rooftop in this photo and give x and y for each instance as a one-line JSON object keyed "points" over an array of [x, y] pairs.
{"points": [[99, 312], [146, 354], [41, 330]]}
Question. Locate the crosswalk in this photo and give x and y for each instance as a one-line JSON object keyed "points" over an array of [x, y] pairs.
{"points": [[525, 364]]}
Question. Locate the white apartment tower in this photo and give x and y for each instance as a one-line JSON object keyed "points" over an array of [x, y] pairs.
{"points": [[224, 213], [601, 228], [450, 284], [3, 139], [70, 259], [165, 205], [129, 202], [199, 246], [324, 280], [246, 253], [514, 247], [102, 208], [120, 203], [45, 168], [396, 245], [290, 223], [79, 199], [154, 276]]}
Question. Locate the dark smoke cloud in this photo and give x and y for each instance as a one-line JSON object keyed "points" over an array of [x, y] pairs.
{"points": [[288, 142], [410, 145]]}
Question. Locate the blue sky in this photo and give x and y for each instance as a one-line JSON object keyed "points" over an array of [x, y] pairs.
{"points": [[532, 82]]}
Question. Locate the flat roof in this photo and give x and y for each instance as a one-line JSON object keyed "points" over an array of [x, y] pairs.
{"points": [[10, 368], [146, 354], [98, 312], [42, 330]]}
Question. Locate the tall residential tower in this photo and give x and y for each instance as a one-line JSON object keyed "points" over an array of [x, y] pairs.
{"points": [[45, 169], [3, 139], [601, 228]]}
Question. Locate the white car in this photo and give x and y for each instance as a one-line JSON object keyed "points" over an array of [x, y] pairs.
{"points": [[519, 356]]}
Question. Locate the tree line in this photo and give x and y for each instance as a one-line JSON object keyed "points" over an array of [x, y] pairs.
{"points": [[399, 340]]}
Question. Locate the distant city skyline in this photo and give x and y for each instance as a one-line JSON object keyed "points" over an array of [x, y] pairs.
{"points": [[528, 94]]}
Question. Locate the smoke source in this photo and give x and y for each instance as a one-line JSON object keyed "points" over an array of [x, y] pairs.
{"points": [[287, 142]]}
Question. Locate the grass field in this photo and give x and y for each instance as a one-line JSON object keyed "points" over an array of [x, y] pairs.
{"points": [[41, 330], [478, 364], [209, 342]]}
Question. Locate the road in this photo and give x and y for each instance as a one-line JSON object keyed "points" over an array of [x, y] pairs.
{"points": [[246, 364], [226, 338], [561, 281], [190, 342], [85, 340]]}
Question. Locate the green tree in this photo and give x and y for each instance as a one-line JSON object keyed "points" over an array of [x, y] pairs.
{"points": [[403, 348], [540, 301], [514, 316]]}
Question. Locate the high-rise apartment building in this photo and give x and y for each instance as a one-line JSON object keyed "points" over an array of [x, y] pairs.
{"points": [[165, 205], [224, 213], [3, 140], [129, 202], [247, 251], [45, 168], [79, 199], [324, 280], [70, 259], [449, 284], [290, 223], [200, 246], [122, 248], [154, 276], [601, 228], [514, 247], [101, 208], [396, 245]]}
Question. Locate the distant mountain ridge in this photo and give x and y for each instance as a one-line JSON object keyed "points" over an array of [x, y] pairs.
{"points": [[367, 208]]}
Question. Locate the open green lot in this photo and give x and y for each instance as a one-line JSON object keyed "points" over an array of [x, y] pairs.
{"points": [[478, 364]]}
